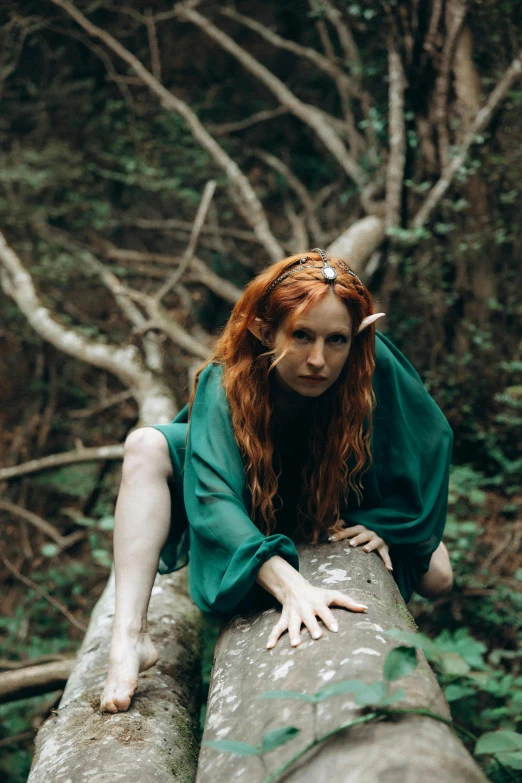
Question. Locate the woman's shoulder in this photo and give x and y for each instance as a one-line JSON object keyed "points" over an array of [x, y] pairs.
{"points": [[210, 393]]}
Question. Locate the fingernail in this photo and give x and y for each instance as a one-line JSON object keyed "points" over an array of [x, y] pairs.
{"points": [[352, 543], [365, 548], [335, 627], [316, 635], [295, 641], [331, 538], [363, 606]]}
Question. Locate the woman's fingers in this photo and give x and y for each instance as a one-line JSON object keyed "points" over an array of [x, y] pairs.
{"points": [[346, 532], [278, 629], [362, 538], [311, 623], [340, 599], [327, 617], [294, 629], [375, 543], [384, 553]]}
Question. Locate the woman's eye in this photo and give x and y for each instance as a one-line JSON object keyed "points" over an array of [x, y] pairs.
{"points": [[300, 335], [337, 338]]}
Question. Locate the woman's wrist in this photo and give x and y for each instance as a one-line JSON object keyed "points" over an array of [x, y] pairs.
{"points": [[278, 577]]}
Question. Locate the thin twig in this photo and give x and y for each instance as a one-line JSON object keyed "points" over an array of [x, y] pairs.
{"points": [[203, 208], [83, 454], [40, 590]]}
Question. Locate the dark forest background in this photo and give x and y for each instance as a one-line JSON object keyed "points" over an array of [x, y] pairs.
{"points": [[389, 131]]}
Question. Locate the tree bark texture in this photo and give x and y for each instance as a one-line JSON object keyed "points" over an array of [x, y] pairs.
{"points": [[157, 739], [407, 749]]}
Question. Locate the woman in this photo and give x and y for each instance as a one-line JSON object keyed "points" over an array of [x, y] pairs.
{"points": [[303, 426]]}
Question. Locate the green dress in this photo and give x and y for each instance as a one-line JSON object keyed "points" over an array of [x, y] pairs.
{"points": [[405, 491]]}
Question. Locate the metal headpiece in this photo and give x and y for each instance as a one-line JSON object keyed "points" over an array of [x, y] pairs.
{"points": [[329, 272]]}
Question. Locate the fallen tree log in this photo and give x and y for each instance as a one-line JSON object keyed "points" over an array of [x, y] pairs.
{"points": [[405, 749], [34, 680], [157, 739]]}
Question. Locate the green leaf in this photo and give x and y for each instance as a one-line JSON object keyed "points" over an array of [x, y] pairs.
{"points": [[106, 523], [453, 663], [398, 695], [513, 760], [49, 550], [370, 694], [400, 662], [456, 692], [276, 737], [498, 742], [418, 640], [102, 557], [335, 688], [233, 746], [288, 695]]}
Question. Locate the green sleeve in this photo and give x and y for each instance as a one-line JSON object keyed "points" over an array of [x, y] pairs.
{"points": [[406, 488], [226, 548]]}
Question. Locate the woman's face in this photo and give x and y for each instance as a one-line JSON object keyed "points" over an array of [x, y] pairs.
{"points": [[319, 347]]}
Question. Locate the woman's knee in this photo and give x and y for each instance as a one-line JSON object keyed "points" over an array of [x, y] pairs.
{"points": [[146, 450]]}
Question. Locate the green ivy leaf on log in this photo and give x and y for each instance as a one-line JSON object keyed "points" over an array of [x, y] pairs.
{"points": [[276, 737], [234, 746], [398, 695], [400, 662], [336, 688], [373, 694]]}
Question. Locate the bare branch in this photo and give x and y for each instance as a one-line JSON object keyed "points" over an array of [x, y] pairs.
{"points": [[442, 83], [261, 116], [153, 397], [324, 64], [82, 454], [168, 224], [108, 402], [63, 542], [316, 119], [176, 276], [49, 598], [241, 191], [479, 124], [202, 273], [35, 680], [357, 244], [297, 186], [153, 44], [397, 135], [346, 39]]}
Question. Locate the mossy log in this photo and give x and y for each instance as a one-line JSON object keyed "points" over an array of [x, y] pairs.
{"points": [[407, 749], [157, 739]]}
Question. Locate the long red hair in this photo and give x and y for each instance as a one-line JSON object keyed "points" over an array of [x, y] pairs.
{"points": [[340, 432]]}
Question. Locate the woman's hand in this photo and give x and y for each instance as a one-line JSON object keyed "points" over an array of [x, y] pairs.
{"points": [[304, 606], [361, 535], [301, 602]]}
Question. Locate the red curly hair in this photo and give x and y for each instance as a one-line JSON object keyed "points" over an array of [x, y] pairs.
{"points": [[340, 434]]}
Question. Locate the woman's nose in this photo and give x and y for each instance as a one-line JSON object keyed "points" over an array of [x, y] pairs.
{"points": [[316, 355]]}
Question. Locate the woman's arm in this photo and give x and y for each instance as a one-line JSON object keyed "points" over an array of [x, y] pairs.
{"points": [[301, 602]]}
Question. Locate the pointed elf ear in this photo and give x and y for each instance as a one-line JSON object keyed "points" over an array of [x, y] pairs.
{"points": [[260, 330], [369, 320]]}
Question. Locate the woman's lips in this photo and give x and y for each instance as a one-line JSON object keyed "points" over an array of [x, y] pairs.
{"points": [[313, 378]]}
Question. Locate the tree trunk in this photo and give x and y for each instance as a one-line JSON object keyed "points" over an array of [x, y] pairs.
{"points": [[157, 739], [407, 749]]}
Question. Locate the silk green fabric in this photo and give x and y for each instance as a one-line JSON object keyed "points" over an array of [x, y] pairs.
{"points": [[404, 491]]}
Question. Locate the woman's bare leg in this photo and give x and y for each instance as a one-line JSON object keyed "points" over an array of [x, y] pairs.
{"points": [[438, 580], [142, 521]]}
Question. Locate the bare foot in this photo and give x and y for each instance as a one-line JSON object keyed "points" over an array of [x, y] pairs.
{"points": [[131, 653]]}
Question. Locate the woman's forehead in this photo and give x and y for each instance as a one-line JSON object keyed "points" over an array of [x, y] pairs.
{"points": [[329, 312]]}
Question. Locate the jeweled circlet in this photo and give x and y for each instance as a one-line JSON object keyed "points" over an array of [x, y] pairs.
{"points": [[329, 272]]}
